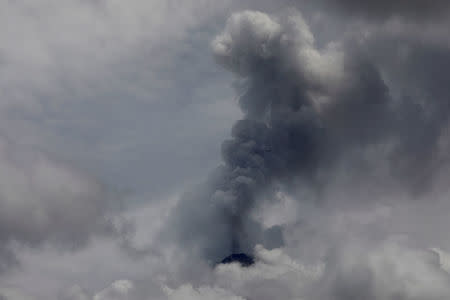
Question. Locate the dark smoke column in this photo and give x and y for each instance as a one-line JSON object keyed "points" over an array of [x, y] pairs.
{"points": [[280, 133], [302, 107]]}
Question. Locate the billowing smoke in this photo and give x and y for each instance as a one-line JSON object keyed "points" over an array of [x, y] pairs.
{"points": [[307, 111]]}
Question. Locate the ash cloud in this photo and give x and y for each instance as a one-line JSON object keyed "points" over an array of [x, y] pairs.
{"points": [[308, 111]]}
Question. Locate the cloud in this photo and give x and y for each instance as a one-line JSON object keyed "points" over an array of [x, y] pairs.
{"points": [[74, 293], [390, 270], [444, 259], [416, 9], [99, 76], [118, 290], [188, 292], [58, 67], [62, 66], [54, 40], [47, 201], [13, 294]]}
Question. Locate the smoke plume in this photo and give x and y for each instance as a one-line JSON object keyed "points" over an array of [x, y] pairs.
{"points": [[307, 110]]}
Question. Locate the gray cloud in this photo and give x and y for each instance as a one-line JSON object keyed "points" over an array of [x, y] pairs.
{"points": [[390, 270], [417, 9], [365, 273], [188, 292], [93, 86], [44, 200], [71, 84], [74, 293]]}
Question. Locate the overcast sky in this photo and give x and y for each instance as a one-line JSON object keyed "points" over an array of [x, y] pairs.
{"points": [[143, 141]]}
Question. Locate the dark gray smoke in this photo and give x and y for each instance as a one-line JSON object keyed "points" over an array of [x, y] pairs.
{"points": [[307, 110]]}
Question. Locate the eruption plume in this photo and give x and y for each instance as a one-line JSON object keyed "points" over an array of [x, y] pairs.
{"points": [[305, 110]]}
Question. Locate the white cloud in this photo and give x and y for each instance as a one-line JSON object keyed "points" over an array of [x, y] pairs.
{"points": [[187, 292], [13, 294], [74, 293], [387, 271], [444, 259], [118, 290]]}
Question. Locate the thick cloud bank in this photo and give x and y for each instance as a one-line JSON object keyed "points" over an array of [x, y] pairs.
{"points": [[389, 271]]}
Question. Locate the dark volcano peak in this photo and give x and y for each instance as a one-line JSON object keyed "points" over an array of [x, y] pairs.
{"points": [[243, 259]]}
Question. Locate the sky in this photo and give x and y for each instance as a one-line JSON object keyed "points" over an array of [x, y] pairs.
{"points": [[141, 142]]}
